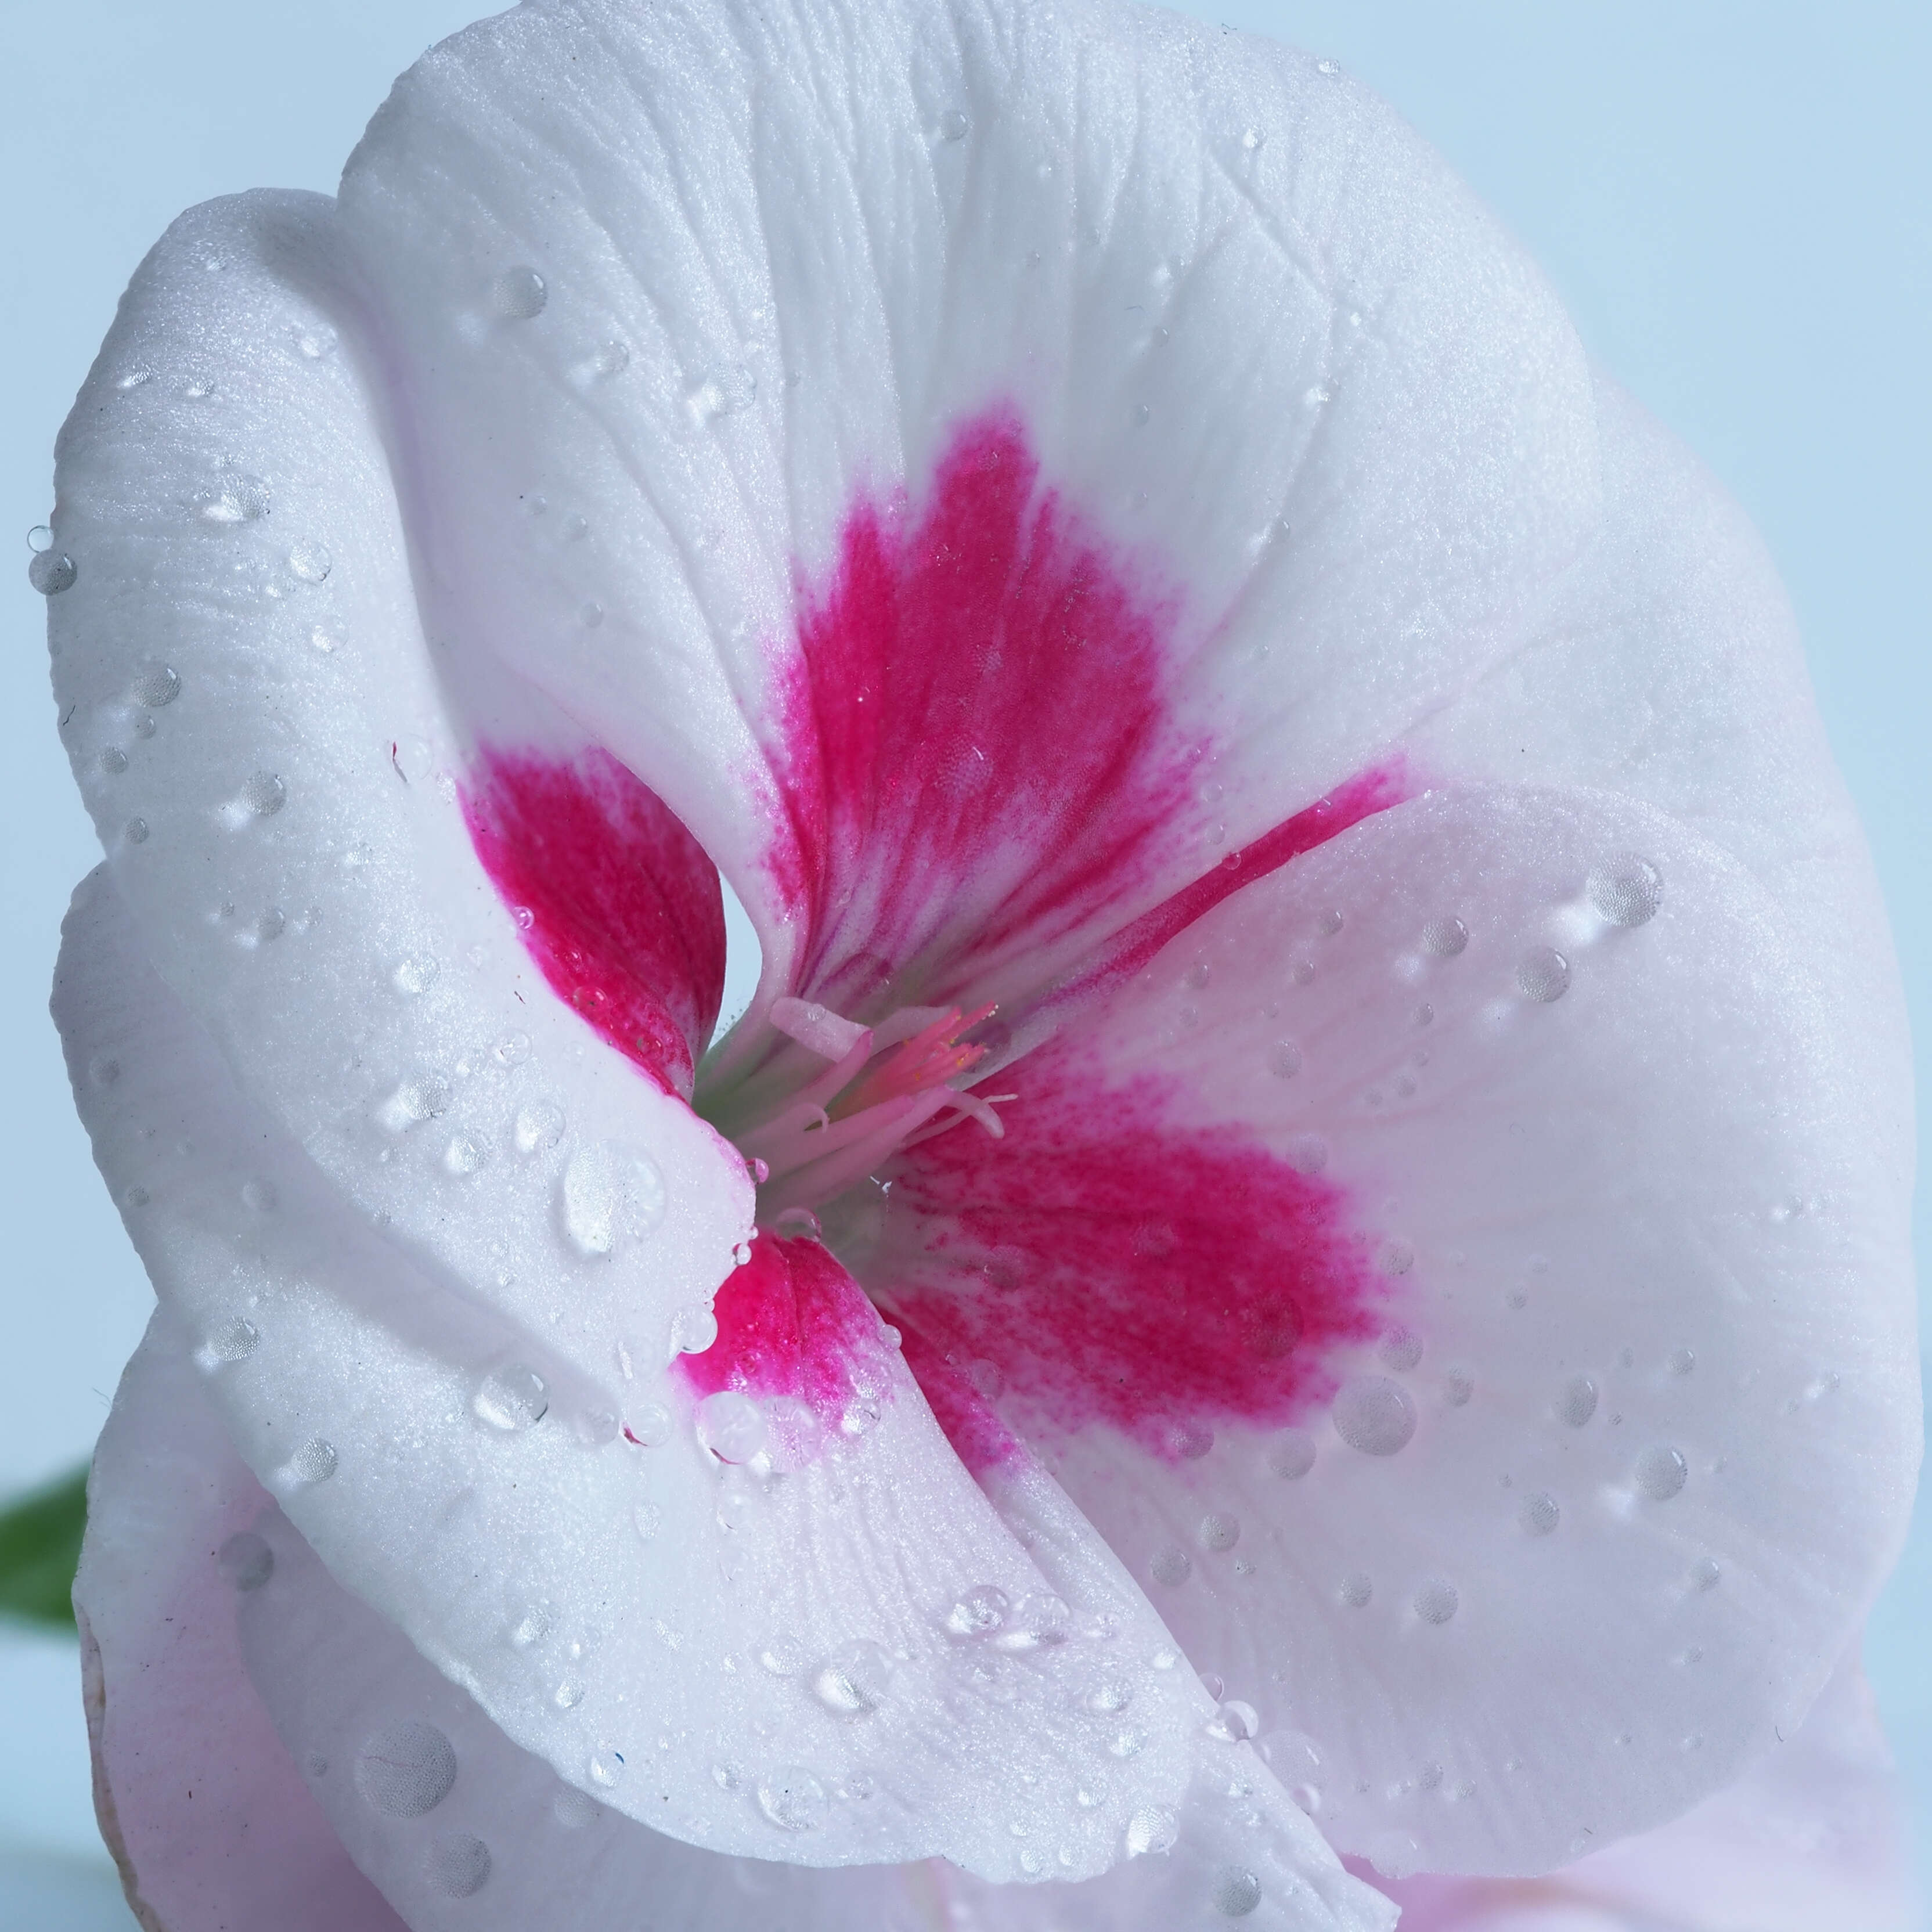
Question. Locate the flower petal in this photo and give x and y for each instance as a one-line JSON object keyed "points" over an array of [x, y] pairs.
{"points": [[204, 1810], [834, 355], [1452, 1276], [1812, 1837], [766, 1556]]}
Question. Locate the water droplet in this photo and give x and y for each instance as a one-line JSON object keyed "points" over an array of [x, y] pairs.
{"points": [[612, 359], [724, 393], [1682, 1361], [1444, 938], [1038, 1622], [609, 1193], [606, 1767], [649, 1427], [1400, 1348], [979, 1612], [1356, 1591], [310, 563], [792, 1798], [1374, 1414], [113, 761], [465, 1154], [1540, 1514], [1578, 1402], [271, 925], [1543, 974], [246, 1561], [1436, 1602], [133, 379], [953, 125], [1457, 1389], [241, 499], [1308, 1154], [1661, 1473], [264, 795], [233, 1340], [568, 1695], [1152, 1830], [1706, 1573], [1237, 1892], [1234, 1722], [407, 1770], [798, 1224], [731, 1425], [40, 538], [412, 1103], [1218, 1532], [158, 685], [1291, 1454], [853, 1681], [1284, 1060], [532, 1627], [519, 293], [459, 1865], [693, 1329], [136, 832], [416, 975], [1626, 890], [1188, 1441], [1171, 1564], [539, 1127], [325, 640], [51, 572], [314, 1462], [511, 1397], [104, 1069], [574, 1809]]}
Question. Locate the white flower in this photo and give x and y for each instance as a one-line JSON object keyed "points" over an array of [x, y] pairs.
{"points": [[1316, 975]]}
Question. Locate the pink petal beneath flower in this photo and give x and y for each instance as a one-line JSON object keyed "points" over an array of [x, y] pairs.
{"points": [[205, 1811]]}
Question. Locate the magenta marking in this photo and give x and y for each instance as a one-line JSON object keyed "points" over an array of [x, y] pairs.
{"points": [[792, 1322], [617, 903], [1114, 1268], [978, 752]]}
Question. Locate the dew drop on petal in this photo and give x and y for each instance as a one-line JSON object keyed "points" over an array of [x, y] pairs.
{"points": [[979, 1612], [459, 1864], [51, 572], [792, 1798], [1152, 1830], [1237, 1892], [264, 795], [1626, 890], [1444, 938], [519, 293], [650, 1427], [407, 1770], [233, 1340], [1540, 1514], [310, 563], [609, 1193], [953, 125], [512, 1397], [1291, 1454], [156, 686], [1284, 1060], [1171, 1565], [246, 1561], [853, 1681], [1436, 1602], [1356, 1591], [1234, 1722], [1578, 1402], [607, 1767], [136, 832], [1374, 1414], [539, 1127], [241, 499], [574, 1809], [1661, 1472], [314, 1462], [731, 1425], [1543, 974], [1218, 1532]]}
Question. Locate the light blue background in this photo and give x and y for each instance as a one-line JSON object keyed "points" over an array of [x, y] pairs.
{"points": [[1733, 198]]}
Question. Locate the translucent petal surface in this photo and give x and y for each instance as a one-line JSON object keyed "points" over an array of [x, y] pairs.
{"points": [[1811, 1837], [608, 1562], [1228, 297], [1454, 1277], [203, 1808]]}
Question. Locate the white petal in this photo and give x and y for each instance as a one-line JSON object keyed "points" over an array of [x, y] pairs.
{"points": [[651, 1578], [1592, 1424], [1336, 428], [204, 1810]]}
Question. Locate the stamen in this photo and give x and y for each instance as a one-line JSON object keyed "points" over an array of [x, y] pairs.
{"points": [[886, 1087]]}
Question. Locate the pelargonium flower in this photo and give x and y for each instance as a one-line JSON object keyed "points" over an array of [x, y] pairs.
{"points": [[1302, 1248]]}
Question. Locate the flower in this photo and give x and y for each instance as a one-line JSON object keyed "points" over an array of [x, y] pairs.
{"points": [[1302, 1248]]}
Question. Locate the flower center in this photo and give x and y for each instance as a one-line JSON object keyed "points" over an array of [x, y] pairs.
{"points": [[881, 1089]]}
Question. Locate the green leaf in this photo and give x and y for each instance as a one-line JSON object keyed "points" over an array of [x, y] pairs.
{"points": [[39, 1550]]}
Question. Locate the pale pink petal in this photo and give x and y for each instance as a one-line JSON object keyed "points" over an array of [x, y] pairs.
{"points": [[1453, 1277], [203, 1809]]}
